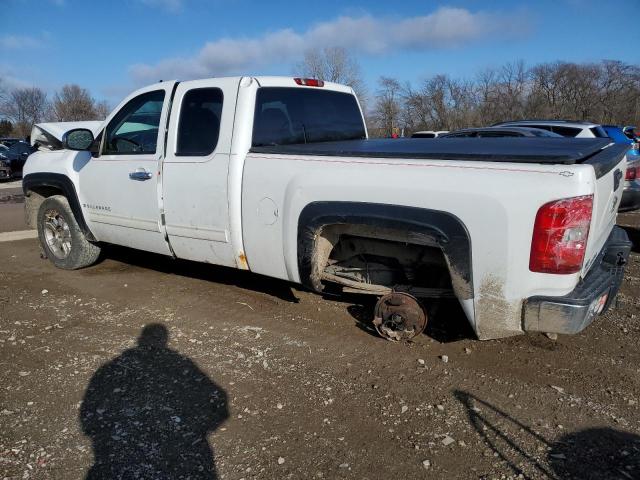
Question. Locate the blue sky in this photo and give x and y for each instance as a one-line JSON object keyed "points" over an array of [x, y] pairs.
{"points": [[112, 47]]}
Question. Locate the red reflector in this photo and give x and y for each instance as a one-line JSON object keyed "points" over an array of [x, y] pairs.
{"points": [[560, 235], [309, 82], [631, 173]]}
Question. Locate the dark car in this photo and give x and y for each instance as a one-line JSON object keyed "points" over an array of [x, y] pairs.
{"points": [[631, 132], [631, 193], [8, 141], [497, 132], [12, 159]]}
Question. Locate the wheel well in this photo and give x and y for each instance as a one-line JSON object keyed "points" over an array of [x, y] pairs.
{"points": [[41, 185], [408, 237], [34, 197], [369, 259]]}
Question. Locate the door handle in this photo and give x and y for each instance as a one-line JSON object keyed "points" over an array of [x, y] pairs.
{"points": [[140, 174]]}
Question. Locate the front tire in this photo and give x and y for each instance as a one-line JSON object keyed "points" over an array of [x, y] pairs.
{"points": [[60, 236]]}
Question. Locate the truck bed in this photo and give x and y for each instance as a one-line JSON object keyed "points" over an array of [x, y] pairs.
{"points": [[520, 150]]}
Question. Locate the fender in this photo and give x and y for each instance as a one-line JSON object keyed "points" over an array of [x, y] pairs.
{"points": [[63, 183], [446, 229]]}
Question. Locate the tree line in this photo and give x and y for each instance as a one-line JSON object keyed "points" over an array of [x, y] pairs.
{"points": [[20, 108], [606, 92]]}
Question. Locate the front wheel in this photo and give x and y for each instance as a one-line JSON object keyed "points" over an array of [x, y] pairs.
{"points": [[61, 238]]}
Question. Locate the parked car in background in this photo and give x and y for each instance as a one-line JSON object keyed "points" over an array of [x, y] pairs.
{"points": [[429, 133], [8, 141], [13, 158], [631, 132], [495, 132], [566, 128], [631, 193]]}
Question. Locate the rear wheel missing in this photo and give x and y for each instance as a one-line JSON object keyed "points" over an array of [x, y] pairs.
{"points": [[399, 317]]}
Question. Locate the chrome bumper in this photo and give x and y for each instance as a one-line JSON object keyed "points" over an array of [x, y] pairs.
{"points": [[593, 295]]}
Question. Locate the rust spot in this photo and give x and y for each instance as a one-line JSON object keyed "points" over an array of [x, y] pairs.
{"points": [[242, 259]]}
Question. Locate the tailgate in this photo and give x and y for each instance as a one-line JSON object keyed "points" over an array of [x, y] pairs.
{"points": [[609, 167]]}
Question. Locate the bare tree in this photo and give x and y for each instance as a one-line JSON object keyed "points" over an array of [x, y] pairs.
{"points": [[604, 92], [387, 108], [5, 128], [3, 90], [102, 110], [24, 107], [333, 64], [73, 103]]}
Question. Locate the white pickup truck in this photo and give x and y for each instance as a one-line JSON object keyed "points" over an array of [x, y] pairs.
{"points": [[276, 175]]}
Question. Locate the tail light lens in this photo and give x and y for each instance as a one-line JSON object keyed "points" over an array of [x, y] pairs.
{"points": [[560, 235], [309, 82], [631, 173]]}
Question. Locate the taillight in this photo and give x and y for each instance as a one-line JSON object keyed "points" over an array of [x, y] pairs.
{"points": [[309, 82], [560, 235], [631, 173]]}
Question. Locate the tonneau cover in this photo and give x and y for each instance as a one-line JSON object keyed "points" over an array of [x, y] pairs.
{"points": [[521, 150]]}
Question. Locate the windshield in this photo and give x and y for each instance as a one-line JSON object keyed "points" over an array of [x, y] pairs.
{"points": [[286, 116]]}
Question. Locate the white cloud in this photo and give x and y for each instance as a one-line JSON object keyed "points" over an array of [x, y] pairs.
{"points": [[10, 78], [17, 42], [169, 5], [444, 28]]}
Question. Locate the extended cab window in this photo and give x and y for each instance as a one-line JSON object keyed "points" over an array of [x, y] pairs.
{"points": [[304, 115], [199, 125], [134, 129]]}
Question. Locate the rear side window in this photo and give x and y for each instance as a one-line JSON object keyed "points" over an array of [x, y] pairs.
{"points": [[565, 131], [199, 124], [304, 115]]}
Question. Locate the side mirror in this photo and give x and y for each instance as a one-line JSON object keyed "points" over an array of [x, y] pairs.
{"points": [[77, 139]]}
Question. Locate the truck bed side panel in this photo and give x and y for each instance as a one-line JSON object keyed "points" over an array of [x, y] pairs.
{"points": [[496, 202]]}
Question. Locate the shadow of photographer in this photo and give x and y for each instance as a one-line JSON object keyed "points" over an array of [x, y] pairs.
{"points": [[149, 411]]}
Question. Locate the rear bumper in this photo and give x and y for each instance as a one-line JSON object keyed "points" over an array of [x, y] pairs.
{"points": [[630, 196], [593, 295]]}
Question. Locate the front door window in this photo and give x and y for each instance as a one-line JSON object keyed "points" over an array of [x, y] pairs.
{"points": [[134, 129]]}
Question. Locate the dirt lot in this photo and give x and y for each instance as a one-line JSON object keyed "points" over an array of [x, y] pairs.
{"points": [[145, 367]]}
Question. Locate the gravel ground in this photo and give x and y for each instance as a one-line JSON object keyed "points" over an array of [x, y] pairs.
{"points": [[145, 367]]}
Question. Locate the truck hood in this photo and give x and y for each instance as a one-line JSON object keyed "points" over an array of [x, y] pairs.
{"points": [[48, 136]]}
